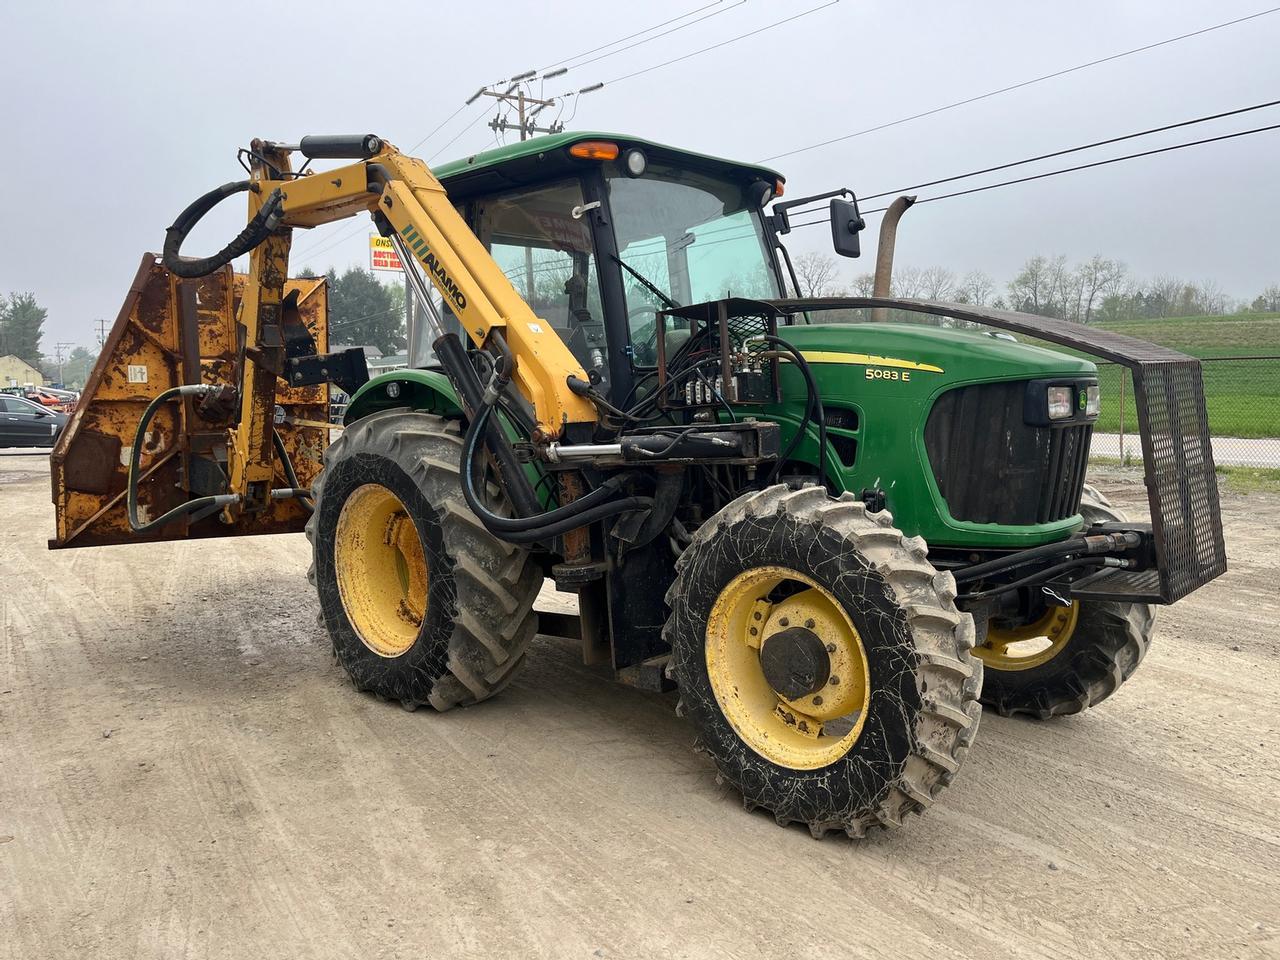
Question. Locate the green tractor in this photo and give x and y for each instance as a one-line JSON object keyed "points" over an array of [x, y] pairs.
{"points": [[837, 539], [828, 618]]}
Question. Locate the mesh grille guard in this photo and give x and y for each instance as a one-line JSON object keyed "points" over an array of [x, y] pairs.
{"points": [[1182, 488]]}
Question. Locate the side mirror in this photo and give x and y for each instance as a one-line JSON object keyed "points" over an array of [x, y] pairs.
{"points": [[846, 224]]}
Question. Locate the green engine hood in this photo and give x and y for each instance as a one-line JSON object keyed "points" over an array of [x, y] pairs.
{"points": [[957, 354]]}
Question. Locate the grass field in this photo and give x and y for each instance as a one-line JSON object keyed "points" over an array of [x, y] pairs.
{"points": [[1243, 396]]}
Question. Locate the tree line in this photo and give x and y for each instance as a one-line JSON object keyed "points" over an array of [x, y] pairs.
{"points": [[364, 310], [1094, 290], [21, 326]]}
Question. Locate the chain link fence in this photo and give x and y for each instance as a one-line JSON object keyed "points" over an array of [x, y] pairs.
{"points": [[1242, 395]]}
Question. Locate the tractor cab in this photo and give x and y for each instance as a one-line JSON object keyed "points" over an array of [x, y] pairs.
{"points": [[598, 232]]}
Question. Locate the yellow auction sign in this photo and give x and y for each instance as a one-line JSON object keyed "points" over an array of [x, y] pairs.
{"points": [[382, 255]]}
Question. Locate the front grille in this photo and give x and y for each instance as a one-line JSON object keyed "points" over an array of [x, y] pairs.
{"points": [[993, 467]]}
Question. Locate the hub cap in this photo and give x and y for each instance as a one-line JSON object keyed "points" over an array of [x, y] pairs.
{"points": [[381, 570], [1030, 645], [788, 667]]}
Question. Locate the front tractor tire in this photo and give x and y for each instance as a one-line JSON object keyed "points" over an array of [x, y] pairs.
{"points": [[1066, 659], [423, 605], [822, 660]]}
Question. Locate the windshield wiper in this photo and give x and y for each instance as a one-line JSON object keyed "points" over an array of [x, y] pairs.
{"points": [[648, 284]]}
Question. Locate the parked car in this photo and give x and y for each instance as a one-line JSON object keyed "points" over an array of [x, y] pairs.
{"points": [[27, 424], [62, 400]]}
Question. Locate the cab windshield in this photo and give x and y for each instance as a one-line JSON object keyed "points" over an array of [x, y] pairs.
{"points": [[692, 236]]}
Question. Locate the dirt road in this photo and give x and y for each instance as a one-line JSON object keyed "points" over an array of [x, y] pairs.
{"points": [[184, 773]]}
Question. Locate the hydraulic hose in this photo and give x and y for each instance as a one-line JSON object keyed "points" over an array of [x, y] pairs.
{"points": [[1045, 575], [596, 505], [135, 459], [1019, 559], [1091, 545], [257, 230], [278, 442], [813, 411]]}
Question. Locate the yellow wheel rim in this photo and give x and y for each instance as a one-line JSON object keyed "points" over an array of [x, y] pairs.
{"points": [[1030, 645], [381, 570], [809, 731]]}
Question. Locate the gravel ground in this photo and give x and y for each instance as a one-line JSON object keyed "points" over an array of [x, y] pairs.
{"points": [[184, 773]]}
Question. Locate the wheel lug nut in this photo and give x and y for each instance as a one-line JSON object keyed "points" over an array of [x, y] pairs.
{"points": [[784, 622], [831, 648], [834, 681], [809, 623], [817, 701]]}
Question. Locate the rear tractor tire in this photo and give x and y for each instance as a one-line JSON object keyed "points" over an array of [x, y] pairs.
{"points": [[822, 661], [1066, 659], [423, 605]]}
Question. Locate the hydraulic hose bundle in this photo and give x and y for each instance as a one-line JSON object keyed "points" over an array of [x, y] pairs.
{"points": [[199, 504], [135, 460], [257, 230], [599, 504]]}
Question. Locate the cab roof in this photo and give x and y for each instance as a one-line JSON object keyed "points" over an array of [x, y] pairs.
{"points": [[542, 158]]}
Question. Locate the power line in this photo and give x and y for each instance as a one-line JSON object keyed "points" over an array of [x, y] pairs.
{"points": [[1057, 153], [479, 117], [1023, 83], [1054, 173], [438, 127], [630, 36], [315, 252], [724, 43], [371, 316], [605, 56]]}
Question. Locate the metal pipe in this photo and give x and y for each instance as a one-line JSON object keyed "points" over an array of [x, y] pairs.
{"points": [[559, 453], [884, 253], [416, 285]]}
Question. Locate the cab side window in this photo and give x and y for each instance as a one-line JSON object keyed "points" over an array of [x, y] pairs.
{"points": [[548, 256]]}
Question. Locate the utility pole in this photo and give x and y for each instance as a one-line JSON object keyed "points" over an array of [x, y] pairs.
{"points": [[527, 127], [514, 94], [57, 353], [102, 332], [527, 109]]}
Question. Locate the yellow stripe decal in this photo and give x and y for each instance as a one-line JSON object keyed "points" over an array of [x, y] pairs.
{"points": [[866, 359]]}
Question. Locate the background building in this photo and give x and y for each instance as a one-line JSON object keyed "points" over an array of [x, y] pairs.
{"points": [[16, 372]]}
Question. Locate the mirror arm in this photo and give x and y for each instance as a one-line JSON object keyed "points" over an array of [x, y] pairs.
{"points": [[788, 204]]}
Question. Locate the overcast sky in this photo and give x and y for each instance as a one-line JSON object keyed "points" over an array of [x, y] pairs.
{"points": [[116, 115]]}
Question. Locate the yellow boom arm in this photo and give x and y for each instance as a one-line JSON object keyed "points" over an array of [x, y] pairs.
{"points": [[399, 191], [456, 263]]}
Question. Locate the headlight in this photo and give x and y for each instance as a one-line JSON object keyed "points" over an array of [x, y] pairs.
{"points": [[1093, 403], [1060, 403]]}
